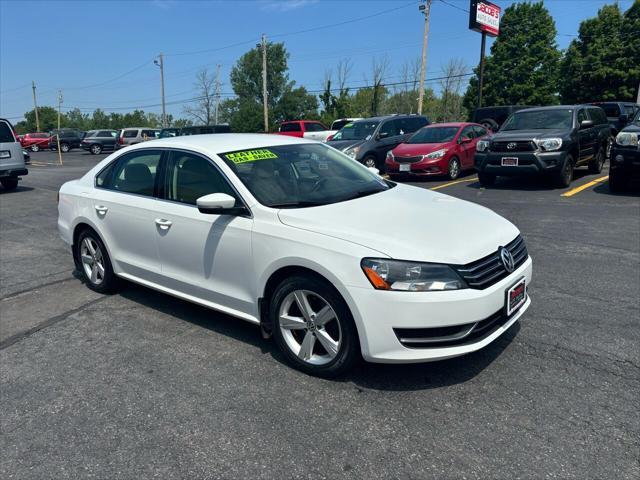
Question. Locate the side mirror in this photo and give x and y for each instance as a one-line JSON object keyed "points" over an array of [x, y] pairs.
{"points": [[624, 118], [465, 140], [218, 204], [383, 134], [586, 124], [374, 170]]}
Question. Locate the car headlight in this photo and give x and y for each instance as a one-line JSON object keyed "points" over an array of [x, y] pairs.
{"points": [[389, 155], [549, 144], [351, 151], [627, 139], [437, 154], [406, 276], [482, 145]]}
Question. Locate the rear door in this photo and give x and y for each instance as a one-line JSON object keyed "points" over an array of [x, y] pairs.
{"points": [[10, 149], [125, 211]]}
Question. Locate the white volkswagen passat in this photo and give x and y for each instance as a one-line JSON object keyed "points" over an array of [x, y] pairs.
{"points": [[290, 234]]}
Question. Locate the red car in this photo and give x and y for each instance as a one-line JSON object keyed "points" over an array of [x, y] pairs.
{"points": [[35, 141], [311, 129], [438, 149]]}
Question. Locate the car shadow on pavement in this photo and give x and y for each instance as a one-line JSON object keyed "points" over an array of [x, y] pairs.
{"points": [[432, 179], [20, 188], [631, 191], [529, 183], [404, 377]]}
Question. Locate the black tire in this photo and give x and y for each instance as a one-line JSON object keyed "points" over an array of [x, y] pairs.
{"points": [[349, 346], [35, 147], [454, 168], [596, 164], [617, 182], [65, 147], [10, 183], [96, 149], [371, 161], [610, 142], [110, 281], [563, 178], [486, 179], [490, 124]]}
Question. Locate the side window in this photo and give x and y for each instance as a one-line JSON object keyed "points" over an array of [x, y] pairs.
{"points": [[190, 177], [629, 110], [389, 129], [290, 127], [136, 172], [582, 115], [598, 116], [104, 133], [313, 127], [467, 132], [130, 133], [103, 179]]}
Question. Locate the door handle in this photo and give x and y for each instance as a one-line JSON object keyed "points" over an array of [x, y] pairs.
{"points": [[101, 209], [163, 224]]}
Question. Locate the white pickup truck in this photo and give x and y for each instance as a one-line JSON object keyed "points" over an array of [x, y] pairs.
{"points": [[12, 164], [312, 129]]}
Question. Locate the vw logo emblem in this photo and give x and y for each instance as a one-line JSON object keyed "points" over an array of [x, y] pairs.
{"points": [[507, 259], [511, 145]]}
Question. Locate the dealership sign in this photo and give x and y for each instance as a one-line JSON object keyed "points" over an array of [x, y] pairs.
{"points": [[484, 17]]}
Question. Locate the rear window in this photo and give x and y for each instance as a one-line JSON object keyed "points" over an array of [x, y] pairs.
{"points": [[6, 134], [130, 133], [314, 127], [290, 127]]}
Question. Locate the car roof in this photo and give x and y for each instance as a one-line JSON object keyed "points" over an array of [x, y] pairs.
{"points": [[224, 142], [554, 107]]}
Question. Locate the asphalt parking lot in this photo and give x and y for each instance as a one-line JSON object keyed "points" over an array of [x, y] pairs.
{"points": [[140, 384]]}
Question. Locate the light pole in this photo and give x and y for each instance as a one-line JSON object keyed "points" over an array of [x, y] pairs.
{"points": [[160, 63], [35, 105], [424, 8]]}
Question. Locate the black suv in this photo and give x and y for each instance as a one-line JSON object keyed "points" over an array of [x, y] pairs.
{"points": [[69, 138], [618, 113], [492, 118], [545, 140], [369, 140], [625, 156], [95, 141]]}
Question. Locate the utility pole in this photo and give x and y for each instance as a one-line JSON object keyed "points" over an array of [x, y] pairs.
{"points": [[35, 105], [58, 133], [160, 63], [638, 97], [264, 83], [481, 73], [217, 94], [425, 8]]}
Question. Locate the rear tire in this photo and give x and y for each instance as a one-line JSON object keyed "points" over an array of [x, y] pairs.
{"points": [[302, 340], [65, 147], [10, 183], [453, 170], [486, 179], [92, 259], [96, 149], [371, 161], [563, 178], [35, 148], [595, 165]]}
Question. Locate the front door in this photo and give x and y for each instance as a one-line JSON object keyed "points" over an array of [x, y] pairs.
{"points": [[123, 209], [203, 255], [467, 141], [587, 138]]}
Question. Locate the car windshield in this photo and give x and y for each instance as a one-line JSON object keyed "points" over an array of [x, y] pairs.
{"points": [[303, 175], [637, 118], [356, 131], [434, 135], [539, 119]]}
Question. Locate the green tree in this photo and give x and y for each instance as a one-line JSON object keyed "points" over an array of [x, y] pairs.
{"points": [[76, 119], [294, 104], [595, 66], [48, 117], [524, 61]]}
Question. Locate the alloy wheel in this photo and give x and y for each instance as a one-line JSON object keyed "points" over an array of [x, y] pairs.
{"points": [[310, 327], [92, 261], [35, 148], [65, 148], [454, 169], [369, 162]]}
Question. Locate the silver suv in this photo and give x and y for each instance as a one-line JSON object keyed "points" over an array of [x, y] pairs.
{"points": [[131, 136], [11, 157]]}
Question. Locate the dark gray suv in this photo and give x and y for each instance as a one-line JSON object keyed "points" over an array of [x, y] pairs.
{"points": [[369, 140]]}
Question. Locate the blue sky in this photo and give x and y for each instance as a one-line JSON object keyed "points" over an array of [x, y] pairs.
{"points": [[101, 52]]}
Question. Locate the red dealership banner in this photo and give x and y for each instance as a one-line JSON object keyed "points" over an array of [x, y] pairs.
{"points": [[484, 17]]}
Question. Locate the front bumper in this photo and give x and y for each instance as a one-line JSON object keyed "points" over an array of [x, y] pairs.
{"points": [[529, 163], [14, 172], [424, 168], [625, 161], [381, 313]]}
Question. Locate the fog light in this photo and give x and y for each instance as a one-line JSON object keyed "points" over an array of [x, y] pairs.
{"points": [[619, 158]]}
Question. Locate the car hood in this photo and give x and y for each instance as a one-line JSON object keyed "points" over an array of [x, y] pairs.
{"points": [[409, 223], [411, 149], [632, 128], [342, 144], [503, 136]]}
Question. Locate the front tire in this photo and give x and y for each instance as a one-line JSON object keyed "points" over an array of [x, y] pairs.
{"points": [[96, 149], [92, 259], [313, 326], [486, 179], [65, 147], [371, 162], [35, 147], [453, 170], [565, 175], [10, 183]]}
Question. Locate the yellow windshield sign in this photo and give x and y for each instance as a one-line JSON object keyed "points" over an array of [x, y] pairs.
{"points": [[251, 155]]}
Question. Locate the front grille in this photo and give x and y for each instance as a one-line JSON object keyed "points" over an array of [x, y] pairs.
{"points": [[451, 336], [408, 159], [489, 270], [524, 146]]}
